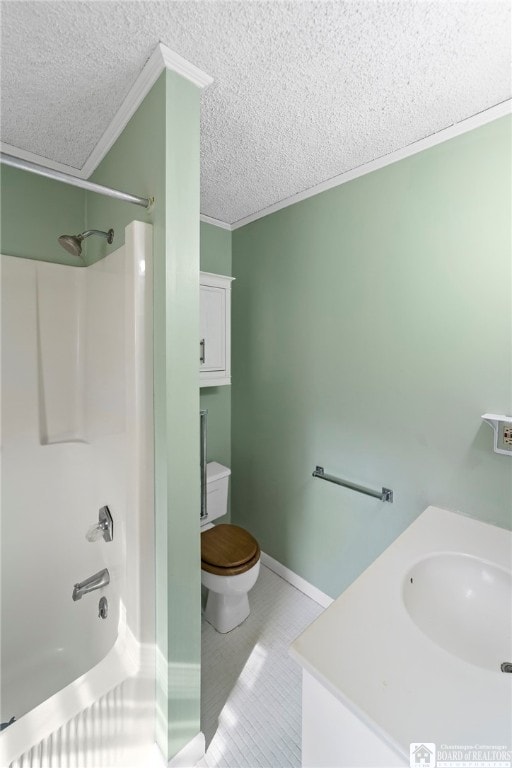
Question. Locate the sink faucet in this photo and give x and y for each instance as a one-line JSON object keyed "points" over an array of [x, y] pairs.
{"points": [[100, 579]]}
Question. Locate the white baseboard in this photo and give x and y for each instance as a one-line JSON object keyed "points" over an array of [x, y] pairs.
{"points": [[190, 754], [296, 581]]}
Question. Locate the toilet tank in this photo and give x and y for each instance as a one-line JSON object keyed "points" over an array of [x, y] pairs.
{"points": [[216, 491]]}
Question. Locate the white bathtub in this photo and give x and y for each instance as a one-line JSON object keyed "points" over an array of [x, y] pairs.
{"points": [[77, 434], [410, 655]]}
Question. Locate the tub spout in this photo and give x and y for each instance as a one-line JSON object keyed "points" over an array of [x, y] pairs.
{"points": [[100, 579]]}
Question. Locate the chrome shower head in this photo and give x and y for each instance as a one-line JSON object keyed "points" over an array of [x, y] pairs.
{"points": [[73, 243]]}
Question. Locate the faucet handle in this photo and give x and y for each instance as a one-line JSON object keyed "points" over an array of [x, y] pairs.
{"points": [[94, 532], [104, 528]]}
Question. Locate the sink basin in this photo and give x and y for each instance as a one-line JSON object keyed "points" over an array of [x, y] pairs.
{"points": [[464, 605]]}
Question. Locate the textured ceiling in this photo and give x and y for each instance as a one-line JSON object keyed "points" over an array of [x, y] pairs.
{"points": [[302, 92]]}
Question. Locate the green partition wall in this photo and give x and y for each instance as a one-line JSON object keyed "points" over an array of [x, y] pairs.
{"points": [[158, 155]]}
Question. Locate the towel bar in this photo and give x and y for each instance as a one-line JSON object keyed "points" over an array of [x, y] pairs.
{"points": [[386, 494]]}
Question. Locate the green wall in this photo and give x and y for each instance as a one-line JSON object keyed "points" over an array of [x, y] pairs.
{"points": [[216, 257], [371, 329], [178, 447], [158, 154], [34, 212], [215, 249]]}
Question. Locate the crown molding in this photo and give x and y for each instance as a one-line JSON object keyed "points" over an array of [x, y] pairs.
{"points": [[175, 62], [457, 129], [161, 58], [31, 157], [215, 222]]}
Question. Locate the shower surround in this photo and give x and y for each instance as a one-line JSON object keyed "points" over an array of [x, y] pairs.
{"points": [[77, 435]]}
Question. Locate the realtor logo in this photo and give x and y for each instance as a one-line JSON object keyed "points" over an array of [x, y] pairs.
{"points": [[422, 755]]}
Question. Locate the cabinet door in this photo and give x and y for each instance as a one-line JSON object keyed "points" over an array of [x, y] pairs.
{"points": [[213, 329]]}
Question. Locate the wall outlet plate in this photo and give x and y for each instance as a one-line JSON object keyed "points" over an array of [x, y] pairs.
{"points": [[502, 428]]}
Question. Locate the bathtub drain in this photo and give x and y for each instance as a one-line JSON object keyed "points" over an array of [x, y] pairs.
{"points": [[506, 666]]}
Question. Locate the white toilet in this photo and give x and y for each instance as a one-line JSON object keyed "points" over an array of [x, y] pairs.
{"points": [[230, 558]]}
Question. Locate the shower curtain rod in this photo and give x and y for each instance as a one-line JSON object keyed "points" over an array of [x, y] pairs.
{"points": [[41, 170]]}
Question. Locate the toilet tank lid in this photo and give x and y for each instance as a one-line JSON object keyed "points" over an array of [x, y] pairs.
{"points": [[216, 471]]}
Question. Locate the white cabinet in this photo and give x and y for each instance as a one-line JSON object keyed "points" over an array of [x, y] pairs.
{"points": [[334, 737], [215, 330]]}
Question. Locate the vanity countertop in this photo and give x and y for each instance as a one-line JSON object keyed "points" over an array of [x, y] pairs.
{"points": [[367, 650]]}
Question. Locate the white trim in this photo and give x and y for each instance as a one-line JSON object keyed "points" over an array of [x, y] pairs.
{"points": [[218, 281], [31, 157], [141, 87], [296, 581], [215, 222], [190, 754], [475, 121], [172, 60], [221, 381], [161, 58]]}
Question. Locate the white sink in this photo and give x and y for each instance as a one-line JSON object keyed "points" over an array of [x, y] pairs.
{"points": [[463, 604], [405, 661]]}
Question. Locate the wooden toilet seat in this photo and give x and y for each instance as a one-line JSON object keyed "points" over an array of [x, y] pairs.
{"points": [[228, 550]]}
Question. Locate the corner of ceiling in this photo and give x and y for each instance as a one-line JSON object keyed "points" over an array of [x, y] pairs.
{"points": [[31, 157], [161, 58], [173, 61], [216, 222], [450, 132]]}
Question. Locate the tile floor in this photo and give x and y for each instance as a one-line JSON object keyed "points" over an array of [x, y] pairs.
{"points": [[250, 686]]}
